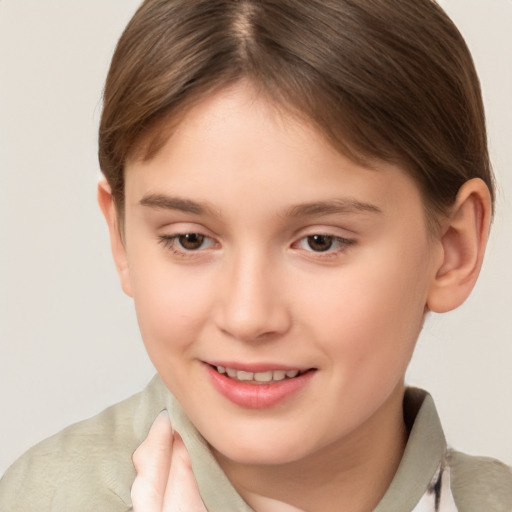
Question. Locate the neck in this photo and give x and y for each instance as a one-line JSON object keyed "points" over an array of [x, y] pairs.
{"points": [[351, 474]]}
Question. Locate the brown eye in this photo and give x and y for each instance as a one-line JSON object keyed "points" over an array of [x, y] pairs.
{"points": [[320, 243], [191, 241]]}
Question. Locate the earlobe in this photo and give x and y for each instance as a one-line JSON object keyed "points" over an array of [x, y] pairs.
{"points": [[108, 208], [463, 242]]}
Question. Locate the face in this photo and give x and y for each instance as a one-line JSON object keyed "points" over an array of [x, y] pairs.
{"points": [[279, 287]]}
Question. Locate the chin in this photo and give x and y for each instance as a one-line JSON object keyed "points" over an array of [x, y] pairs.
{"points": [[263, 451]]}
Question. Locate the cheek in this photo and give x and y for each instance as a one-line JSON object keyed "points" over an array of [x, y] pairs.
{"points": [[372, 312], [172, 306]]}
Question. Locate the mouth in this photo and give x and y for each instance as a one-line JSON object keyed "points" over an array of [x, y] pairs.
{"points": [[259, 377], [258, 386]]}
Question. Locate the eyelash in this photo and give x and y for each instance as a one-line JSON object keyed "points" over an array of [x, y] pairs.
{"points": [[342, 244], [171, 242]]}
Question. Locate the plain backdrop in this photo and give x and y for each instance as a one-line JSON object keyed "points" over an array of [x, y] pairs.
{"points": [[69, 342]]}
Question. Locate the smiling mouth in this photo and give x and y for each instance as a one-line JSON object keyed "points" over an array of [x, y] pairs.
{"points": [[266, 377]]}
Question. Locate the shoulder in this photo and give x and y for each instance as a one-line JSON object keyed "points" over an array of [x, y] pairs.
{"points": [[85, 467], [480, 483]]}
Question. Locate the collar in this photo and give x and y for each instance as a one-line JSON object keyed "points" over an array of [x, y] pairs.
{"points": [[424, 452]]}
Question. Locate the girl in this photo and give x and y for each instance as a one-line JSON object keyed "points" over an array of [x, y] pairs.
{"points": [[291, 187]]}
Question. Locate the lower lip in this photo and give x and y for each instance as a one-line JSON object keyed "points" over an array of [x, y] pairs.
{"points": [[257, 396]]}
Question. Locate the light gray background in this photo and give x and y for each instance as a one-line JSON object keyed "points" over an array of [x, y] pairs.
{"points": [[69, 343]]}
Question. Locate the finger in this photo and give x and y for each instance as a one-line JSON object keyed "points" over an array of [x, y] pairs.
{"points": [[182, 493], [152, 461]]}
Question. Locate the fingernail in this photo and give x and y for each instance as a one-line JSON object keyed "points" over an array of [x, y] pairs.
{"points": [[164, 416]]}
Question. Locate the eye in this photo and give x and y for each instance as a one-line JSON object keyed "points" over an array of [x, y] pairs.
{"points": [[324, 243], [191, 241], [320, 243], [186, 242]]}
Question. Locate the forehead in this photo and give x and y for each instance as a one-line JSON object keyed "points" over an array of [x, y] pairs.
{"points": [[234, 146]]}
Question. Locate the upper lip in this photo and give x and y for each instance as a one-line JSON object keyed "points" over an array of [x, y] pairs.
{"points": [[257, 367]]}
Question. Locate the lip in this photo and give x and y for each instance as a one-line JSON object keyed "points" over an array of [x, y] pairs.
{"points": [[256, 367], [257, 396]]}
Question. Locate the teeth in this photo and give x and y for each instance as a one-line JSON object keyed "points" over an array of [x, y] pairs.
{"points": [[268, 376], [278, 375], [263, 376]]}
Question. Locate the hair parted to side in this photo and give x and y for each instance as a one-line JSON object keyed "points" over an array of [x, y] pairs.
{"points": [[389, 80]]}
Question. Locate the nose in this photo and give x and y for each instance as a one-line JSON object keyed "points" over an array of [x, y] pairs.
{"points": [[252, 305]]}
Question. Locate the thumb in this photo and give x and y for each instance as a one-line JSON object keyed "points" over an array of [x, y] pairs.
{"points": [[182, 493], [152, 461]]}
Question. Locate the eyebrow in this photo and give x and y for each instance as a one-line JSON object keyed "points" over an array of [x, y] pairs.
{"points": [[331, 207], [313, 209], [165, 202]]}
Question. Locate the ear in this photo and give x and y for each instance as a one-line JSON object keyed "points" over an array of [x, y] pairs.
{"points": [[108, 207], [463, 242]]}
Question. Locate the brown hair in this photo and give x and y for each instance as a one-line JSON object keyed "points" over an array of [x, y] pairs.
{"points": [[389, 80]]}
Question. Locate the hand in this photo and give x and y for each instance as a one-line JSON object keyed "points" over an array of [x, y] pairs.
{"points": [[164, 481]]}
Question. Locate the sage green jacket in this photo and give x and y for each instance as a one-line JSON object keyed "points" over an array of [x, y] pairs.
{"points": [[87, 467]]}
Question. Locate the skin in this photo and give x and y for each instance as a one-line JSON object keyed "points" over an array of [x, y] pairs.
{"points": [[164, 479], [258, 291]]}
